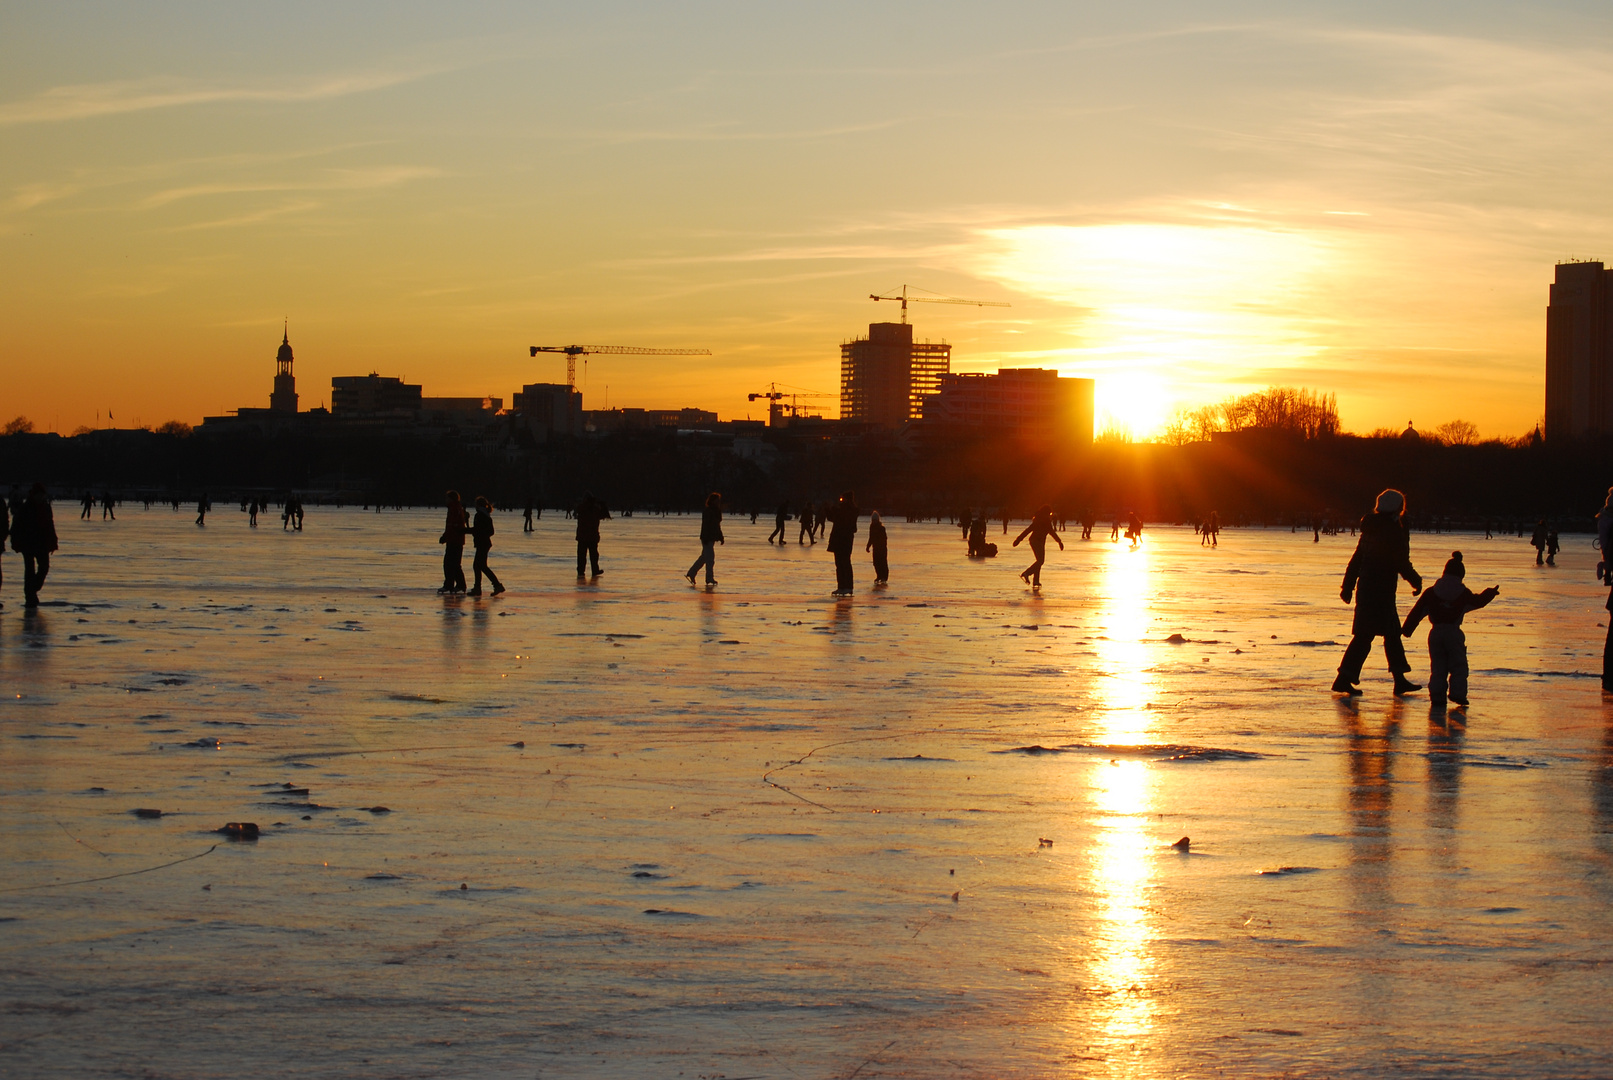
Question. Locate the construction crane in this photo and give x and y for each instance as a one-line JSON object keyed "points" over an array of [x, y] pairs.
{"points": [[585, 351], [904, 298], [775, 396]]}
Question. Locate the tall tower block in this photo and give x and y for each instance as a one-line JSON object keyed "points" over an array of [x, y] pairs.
{"points": [[885, 377], [284, 398]]}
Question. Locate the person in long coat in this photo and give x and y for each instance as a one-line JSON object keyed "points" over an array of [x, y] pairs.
{"points": [[1382, 556], [842, 517], [33, 536], [481, 534]]}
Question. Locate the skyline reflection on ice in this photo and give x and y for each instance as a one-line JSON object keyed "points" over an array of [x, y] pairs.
{"points": [[634, 828]]}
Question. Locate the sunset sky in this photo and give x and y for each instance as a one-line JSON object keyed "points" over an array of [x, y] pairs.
{"points": [[1184, 201]]}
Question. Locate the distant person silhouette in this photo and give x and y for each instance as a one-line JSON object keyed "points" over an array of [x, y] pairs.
{"points": [[1114, 531], [780, 519], [526, 518], [1444, 603], [108, 513], [1088, 520], [710, 536], [202, 506], [296, 504], [454, 528], [878, 544], [808, 529], [33, 536], [88, 502], [1134, 528], [5, 533], [1040, 528], [1604, 571], [1382, 556], [252, 515], [1553, 546], [842, 517], [481, 532], [1210, 532], [589, 513], [1538, 539], [1005, 521]]}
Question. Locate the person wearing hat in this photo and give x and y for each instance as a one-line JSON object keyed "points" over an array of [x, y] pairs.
{"points": [[1382, 556], [1445, 602]]}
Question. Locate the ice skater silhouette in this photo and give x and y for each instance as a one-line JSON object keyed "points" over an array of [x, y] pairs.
{"points": [[1040, 528], [710, 536]]}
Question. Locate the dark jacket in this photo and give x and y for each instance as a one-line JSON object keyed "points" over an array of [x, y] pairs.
{"points": [[842, 516], [1382, 556], [711, 525], [1444, 603], [877, 539], [33, 530], [481, 530], [589, 513], [453, 530]]}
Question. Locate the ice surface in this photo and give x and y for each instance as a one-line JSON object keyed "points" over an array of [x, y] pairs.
{"points": [[758, 832]]}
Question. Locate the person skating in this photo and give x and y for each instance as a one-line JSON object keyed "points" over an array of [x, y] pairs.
{"points": [[710, 536], [1553, 546], [1444, 603], [88, 503], [1538, 540], [5, 531], [878, 543], [33, 536], [481, 532], [1382, 556], [455, 526], [589, 513], [202, 506], [1604, 572], [780, 519], [1040, 528], [842, 518]]}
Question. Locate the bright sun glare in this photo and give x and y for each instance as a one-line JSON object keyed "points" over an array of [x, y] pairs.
{"points": [[1169, 314]]}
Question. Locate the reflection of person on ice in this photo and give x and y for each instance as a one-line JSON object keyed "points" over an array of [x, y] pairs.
{"points": [[1382, 556], [1445, 602]]}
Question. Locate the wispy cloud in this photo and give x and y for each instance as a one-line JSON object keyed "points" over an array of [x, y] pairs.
{"points": [[85, 101], [333, 180]]}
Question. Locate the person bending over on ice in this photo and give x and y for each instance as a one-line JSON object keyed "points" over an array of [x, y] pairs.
{"points": [[1040, 528], [1445, 602], [1382, 555]]}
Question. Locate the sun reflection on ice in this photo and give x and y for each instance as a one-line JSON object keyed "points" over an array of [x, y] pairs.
{"points": [[1122, 965]]}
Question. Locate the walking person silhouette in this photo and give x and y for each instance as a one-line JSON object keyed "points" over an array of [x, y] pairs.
{"points": [[453, 540], [1382, 556], [481, 532], [710, 535], [779, 520], [33, 536], [1040, 528], [589, 513], [842, 518]]}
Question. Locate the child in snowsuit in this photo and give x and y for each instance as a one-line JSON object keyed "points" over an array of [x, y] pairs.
{"points": [[1445, 602]]}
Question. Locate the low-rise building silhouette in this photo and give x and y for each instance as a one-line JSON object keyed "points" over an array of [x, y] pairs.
{"points": [[1032, 402]]}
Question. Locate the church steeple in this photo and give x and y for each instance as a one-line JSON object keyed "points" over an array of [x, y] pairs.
{"points": [[284, 398]]}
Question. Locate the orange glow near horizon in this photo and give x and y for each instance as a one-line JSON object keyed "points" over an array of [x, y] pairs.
{"points": [[1192, 211]]}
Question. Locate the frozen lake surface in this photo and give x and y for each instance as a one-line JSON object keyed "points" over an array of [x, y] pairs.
{"points": [[639, 829]]}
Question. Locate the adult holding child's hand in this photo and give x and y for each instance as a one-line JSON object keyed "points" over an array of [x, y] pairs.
{"points": [[1382, 556]]}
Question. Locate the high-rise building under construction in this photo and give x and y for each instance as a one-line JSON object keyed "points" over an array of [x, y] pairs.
{"points": [[885, 377], [1579, 352]]}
